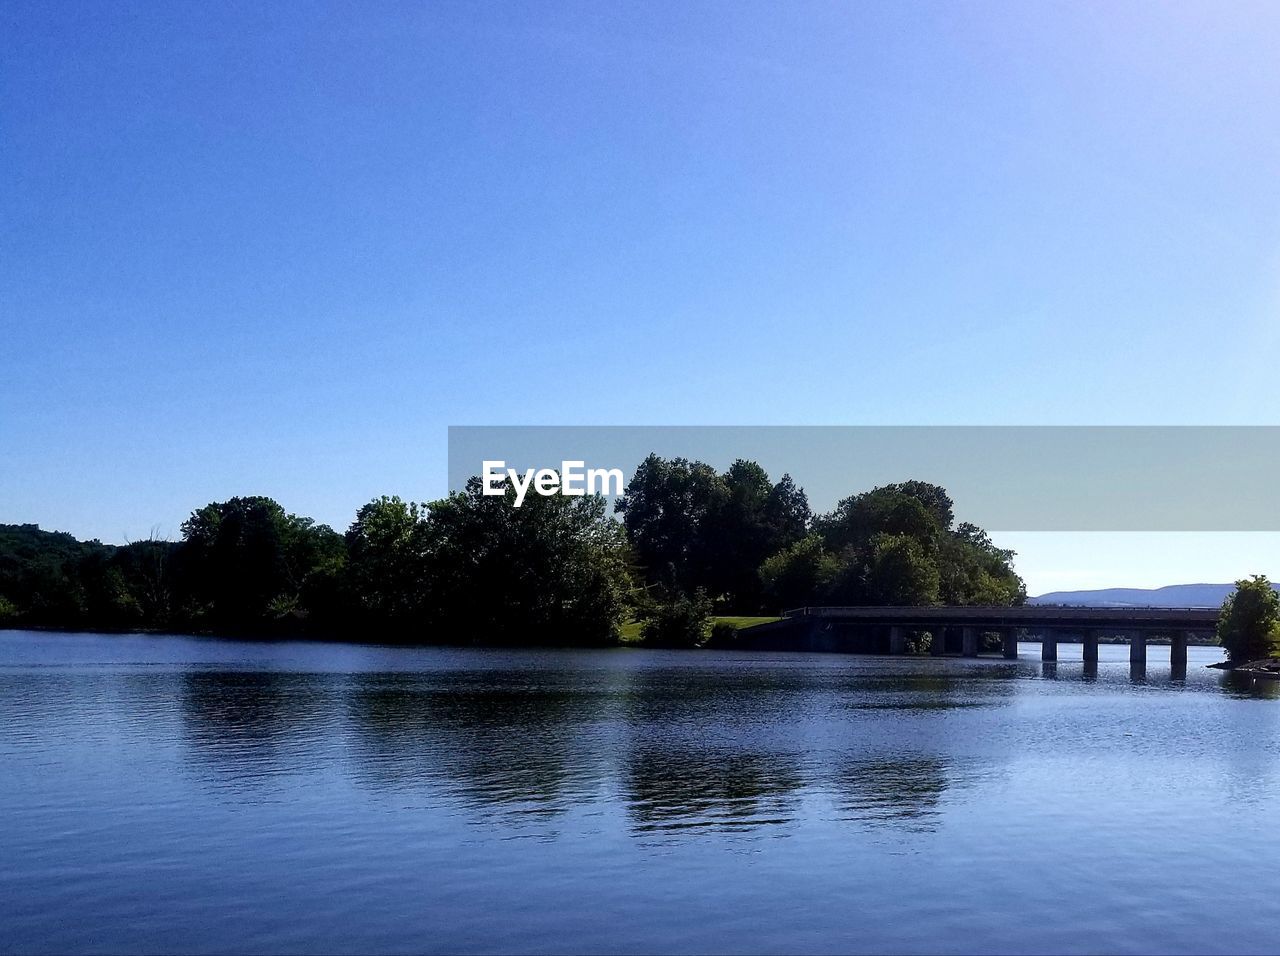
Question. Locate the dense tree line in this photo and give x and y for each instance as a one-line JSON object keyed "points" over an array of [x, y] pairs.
{"points": [[752, 546], [470, 567]]}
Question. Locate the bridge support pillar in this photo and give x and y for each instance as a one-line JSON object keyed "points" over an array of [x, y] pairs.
{"points": [[970, 647], [1009, 640], [938, 644], [1138, 648], [1049, 646], [1091, 647], [1178, 650], [815, 635], [897, 640]]}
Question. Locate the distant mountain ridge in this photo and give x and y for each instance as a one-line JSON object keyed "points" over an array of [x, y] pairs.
{"points": [[1174, 595]]}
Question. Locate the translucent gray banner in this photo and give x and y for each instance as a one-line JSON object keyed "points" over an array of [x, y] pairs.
{"points": [[1003, 478]]}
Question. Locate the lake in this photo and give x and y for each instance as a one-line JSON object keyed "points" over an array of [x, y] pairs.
{"points": [[175, 794]]}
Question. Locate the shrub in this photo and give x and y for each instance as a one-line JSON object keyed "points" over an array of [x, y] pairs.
{"points": [[723, 635], [682, 622]]}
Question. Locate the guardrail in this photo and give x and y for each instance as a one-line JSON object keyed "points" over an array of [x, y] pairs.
{"points": [[1048, 615]]}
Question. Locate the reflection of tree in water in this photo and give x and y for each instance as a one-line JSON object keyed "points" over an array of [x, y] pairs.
{"points": [[1248, 686], [984, 687], [491, 739], [896, 792], [256, 723], [674, 695], [705, 747], [689, 787]]}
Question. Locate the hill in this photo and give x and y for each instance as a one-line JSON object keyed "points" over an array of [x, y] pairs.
{"points": [[1173, 595]]}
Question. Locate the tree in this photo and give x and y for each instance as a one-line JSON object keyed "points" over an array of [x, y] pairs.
{"points": [[900, 572], [788, 512], [934, 498], [108, 601], [147, 566], [553, 571], [473, 567], [750, 521], [1249, 624], [869, 533], [43, 577], [690, 527], [666, 510], [798, 575], [972, 570], [385, 577], [245, 561], [884, 510]]}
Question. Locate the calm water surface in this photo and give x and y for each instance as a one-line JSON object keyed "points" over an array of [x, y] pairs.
{"points": [[169, 794]]}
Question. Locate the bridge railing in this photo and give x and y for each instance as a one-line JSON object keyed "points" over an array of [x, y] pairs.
{"points": [[1025, 615]]}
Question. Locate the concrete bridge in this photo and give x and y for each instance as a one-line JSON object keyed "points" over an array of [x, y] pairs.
{"points": [[887, 628]]}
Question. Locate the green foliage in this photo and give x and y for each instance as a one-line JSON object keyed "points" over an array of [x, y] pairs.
{"points": [[690, 527], [900, 571], [50, 579], [800, 574], [682, 622], [933, 498], [723, 635], [665, 508], [147, 568], [973, 571], [1249, 625], [914, 508], [247, 559], [892, 545], [386, 569], [553, 571], [466, 568], [557, 570]]}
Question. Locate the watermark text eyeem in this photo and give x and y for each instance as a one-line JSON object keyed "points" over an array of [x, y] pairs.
{"points": [[574, 479]]}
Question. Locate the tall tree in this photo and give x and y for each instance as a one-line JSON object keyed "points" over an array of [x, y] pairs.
{"points": [[553, 571], [1249, 625], [385, 577], [894, 544], [666, 510], [972, 570], [798, 575], [752, 520], [691, 527], [900, 571], [933, 497], [245, 561], [788, 512], [884, 510]]}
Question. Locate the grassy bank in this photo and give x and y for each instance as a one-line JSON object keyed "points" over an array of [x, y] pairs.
{"points": [[630, 633]]}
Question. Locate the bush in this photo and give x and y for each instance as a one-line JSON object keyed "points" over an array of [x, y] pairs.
{"points": [[679, 623], [723, 635], [1249, 625]]}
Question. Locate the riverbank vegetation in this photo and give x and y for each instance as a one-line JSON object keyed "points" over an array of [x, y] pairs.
{"points": [[1249, 625], [685, 543]]}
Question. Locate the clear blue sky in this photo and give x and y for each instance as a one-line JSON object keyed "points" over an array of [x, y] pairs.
{"points": [[278, 248]]}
